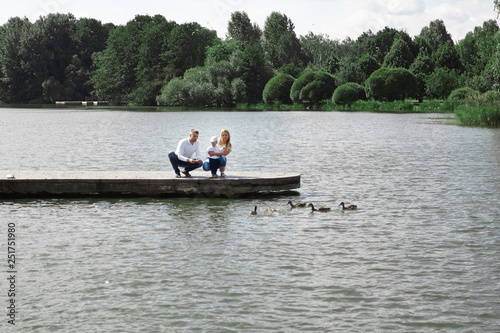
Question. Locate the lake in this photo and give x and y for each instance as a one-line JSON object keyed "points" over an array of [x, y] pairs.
{"points": [[420, 254]]}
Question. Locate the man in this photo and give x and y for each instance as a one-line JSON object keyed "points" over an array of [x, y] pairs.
{"points": [[183, 155]]}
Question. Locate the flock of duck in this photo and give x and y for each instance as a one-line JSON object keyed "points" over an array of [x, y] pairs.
{"points": [[303, 205]]}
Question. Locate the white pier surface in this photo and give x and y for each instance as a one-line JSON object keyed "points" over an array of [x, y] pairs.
{"points": [[25, 184]]}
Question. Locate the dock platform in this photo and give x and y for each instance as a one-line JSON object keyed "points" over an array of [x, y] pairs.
{"points": [[83, 103], [63, 184]]}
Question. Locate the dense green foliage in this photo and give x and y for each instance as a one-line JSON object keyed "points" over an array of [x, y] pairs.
{"points": [[278, 89], [49, 59], [479, 110], [442, 82], [151, 60], [313, 87], [390, 84], [463, 93], [349, 93]]}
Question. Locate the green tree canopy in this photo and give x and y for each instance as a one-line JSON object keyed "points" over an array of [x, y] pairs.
{"points": [[442, 82], [348, 93], [436, 35], [241, 28], [313, 87], [421, 68], [447, 56], [281, 43], [278, 89], [400, 55], [391, 84]]}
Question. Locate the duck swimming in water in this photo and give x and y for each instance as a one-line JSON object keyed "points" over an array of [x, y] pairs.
{"points": [[350, 207], [321, 209], [254, 211], [300, 204], [270, 210]]}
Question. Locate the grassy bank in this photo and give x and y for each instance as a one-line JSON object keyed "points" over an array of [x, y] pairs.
{"points": [[409, 106], [467, 113], [478, 116]]}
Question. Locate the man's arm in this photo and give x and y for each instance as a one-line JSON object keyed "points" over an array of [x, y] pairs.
{"points": [[180, 151]]}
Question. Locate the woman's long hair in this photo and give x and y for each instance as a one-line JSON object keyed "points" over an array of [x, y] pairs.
{"points": [[228, 141]]}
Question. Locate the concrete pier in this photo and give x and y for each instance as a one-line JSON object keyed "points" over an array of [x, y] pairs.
{"points": [[83, 103], [28, 184]]}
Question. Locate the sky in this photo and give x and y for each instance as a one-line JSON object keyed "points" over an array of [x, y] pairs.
{"points": [[338, 19]]}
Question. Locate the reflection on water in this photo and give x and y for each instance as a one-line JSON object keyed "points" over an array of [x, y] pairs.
{"points": [[421, 253]]}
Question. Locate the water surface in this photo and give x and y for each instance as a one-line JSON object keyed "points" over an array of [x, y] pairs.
{"points": [[422, 252]]}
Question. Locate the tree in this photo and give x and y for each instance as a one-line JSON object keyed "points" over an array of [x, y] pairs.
{"points": [[356, 69], [115, 76], [447, 56], [476, 51], [391, 84], [51, 90], [436, 35], [320, 89], [317, 49], [90, 36], [221, 51], [278, 89], [254, 71], [421, 68], [349, 93], [313, 87], [56, 31], [377, 45], [300, 83], [400, 55], [240, 28], [187, 45], [151, 67], [281, 44], [442, 82], [14, 77]]}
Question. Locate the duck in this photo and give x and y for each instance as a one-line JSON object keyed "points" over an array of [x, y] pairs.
{"points": [[321, 209], [300, 204], [254, 211], [270, 210], [350, 207]]}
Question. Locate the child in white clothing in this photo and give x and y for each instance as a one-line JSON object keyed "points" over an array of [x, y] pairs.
{"points": [[213, 154]]}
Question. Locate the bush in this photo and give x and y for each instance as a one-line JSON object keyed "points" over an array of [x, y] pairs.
{"points": [[478, 116], [313, 87], [463, 93], [278, 89], [349, 93], [181, 92], [390, 84], [300, 83]]}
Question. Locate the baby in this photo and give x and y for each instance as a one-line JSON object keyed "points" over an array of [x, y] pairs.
{"points": [[213, 154]]}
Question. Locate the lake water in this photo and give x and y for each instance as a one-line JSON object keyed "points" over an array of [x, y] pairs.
{"points": [[421, 253]]}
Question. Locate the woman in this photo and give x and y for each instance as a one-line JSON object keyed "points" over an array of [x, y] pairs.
{"points": [[224, 143]]}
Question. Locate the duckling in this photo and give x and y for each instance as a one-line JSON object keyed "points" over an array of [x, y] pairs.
{"points": [[270, 210], [300, 204], [254, 211], [322, 209], [350, 207]]}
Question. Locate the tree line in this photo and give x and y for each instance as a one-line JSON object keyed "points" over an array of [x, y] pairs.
{"points": [[154, 61]]}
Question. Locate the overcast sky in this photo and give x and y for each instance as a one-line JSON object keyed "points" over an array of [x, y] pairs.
{"points": [[336, 18]]}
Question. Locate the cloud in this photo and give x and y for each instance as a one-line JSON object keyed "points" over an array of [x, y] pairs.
{"points": [[336, 18], [400, 7]]}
